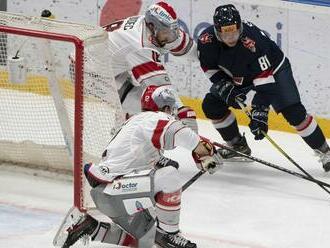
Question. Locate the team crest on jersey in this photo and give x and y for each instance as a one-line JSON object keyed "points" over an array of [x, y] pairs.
{"points": [[238, 80], [104, 170], [249, 44], [206, 38]]}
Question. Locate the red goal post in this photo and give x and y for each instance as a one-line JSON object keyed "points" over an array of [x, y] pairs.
{"points": [[52, 117]]}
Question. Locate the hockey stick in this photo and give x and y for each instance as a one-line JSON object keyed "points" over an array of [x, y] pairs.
{"points": [[273, 165], [192, 180], [247, 112]]}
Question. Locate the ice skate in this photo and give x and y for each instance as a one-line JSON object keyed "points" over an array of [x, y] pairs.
{"points": [[172, 240], [240, 146], [75, 226], [324, 159]]}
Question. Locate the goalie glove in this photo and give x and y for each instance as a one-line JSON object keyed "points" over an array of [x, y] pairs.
{"points": [[206, 157], [188, 117]]}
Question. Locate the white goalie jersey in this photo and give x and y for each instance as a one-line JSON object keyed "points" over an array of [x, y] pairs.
{"points": [[138, 143], [134, 53]]}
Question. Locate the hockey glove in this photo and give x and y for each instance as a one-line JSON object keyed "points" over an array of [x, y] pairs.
{"points": [[259, 121], [229, 93], [188, 117], [210, 160], [164, 161]]}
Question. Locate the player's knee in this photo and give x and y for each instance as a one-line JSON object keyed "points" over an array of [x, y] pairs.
{"points": [[167, 179], [212, 107], [294, 114]]}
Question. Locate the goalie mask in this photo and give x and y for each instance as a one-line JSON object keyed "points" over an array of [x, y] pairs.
{"points": [[156, 98], [163, 19], [227, 24]]}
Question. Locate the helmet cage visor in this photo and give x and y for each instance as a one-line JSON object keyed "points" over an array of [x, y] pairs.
{"points": [[228, 34]]}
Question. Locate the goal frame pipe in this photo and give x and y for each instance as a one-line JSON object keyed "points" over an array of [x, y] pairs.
{"points": [[78, 114]]}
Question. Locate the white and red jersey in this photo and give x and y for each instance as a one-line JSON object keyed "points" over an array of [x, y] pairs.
{"points": [[138, 143], [133, 52]]}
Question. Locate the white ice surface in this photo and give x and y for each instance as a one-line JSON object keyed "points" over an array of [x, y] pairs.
{"points": [[245, 205]]}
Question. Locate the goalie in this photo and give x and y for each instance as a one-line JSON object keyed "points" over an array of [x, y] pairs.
{"points": [[130, 185]]}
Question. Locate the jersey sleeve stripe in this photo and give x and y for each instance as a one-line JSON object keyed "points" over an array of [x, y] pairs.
{"points": [[158, 77], [147, 68], [170, 132], [266, 77], [156, 136], [265, 74]]}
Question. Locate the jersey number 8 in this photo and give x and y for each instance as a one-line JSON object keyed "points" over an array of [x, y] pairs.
{"points": [[264, 63]]}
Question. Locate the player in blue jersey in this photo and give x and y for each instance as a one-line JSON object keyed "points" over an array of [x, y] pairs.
{"points": [[238, 57]]}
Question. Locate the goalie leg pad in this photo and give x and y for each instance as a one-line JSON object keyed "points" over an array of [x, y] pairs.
{"points": [[133, 212], [113, 234], [74, 226], [139, 224], [115, 200]]}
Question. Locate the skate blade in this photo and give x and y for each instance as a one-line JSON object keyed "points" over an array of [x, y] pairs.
{"points": [[72, 218]]}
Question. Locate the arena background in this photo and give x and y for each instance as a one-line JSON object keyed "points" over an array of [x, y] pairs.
{"points": [[300, 28]]}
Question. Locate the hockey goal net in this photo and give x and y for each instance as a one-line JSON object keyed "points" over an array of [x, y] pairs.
{"points": [[58, 99]]}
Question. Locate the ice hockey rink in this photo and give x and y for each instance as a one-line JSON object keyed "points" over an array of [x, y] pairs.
{"points": [[244, 205]]}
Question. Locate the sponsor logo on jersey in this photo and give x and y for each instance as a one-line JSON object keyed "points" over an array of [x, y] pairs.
{"points": [[125, 187], [206, 38], [249, 44]]}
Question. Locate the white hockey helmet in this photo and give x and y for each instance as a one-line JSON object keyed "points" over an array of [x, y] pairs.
{"points": [[155, 98], [162, 16]]}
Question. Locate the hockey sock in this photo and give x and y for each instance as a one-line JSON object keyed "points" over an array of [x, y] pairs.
{"points": [[168, 210], [227, 127], [311, 133]]}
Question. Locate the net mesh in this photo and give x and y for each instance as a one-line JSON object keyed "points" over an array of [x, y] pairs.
{"points": [[37, 95]]}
